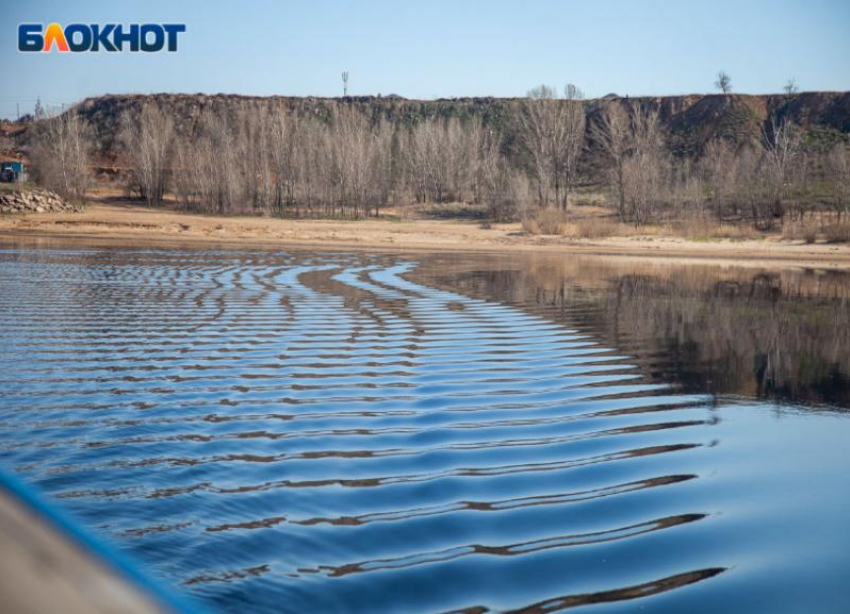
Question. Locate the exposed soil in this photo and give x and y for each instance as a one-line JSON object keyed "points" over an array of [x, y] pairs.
{"points": [[131, 222]]}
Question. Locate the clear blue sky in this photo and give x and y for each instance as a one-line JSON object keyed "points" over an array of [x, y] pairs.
{"points": [[439, 48]]}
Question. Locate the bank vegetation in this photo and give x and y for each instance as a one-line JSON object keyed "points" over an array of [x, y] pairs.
{"points": [[551, 151]]}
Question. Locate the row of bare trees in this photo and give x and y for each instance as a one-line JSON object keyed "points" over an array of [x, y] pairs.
{"points": [[262, 161], [761, 181], [347, 163]]}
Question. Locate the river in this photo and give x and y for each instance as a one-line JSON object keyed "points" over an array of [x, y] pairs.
{"points": [[300, 431]]}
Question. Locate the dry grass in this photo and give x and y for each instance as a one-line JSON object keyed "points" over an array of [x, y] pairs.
{"points": [[596, 228], [837, 233], [704, 229], [736, 232], [531, 226], [800, 231], [602, 226], [545, 222], [448, 211], [109, 223], [557, 222]]}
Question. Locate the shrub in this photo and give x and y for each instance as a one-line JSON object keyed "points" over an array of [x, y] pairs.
{"points": [[800, 232], [838, 233], [695, 228], [736, 232], [550, 221], [700, 228], [595, 228], [531, 226]]}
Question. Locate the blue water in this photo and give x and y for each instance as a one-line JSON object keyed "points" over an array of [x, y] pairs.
{"points": [[338, 432]]}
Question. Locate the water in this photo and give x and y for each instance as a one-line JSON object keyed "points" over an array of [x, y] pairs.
{"points": [[338, 432]]}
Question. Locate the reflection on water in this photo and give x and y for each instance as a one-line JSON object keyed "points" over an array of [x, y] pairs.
{"points": [[336, 432], [780, 335]]}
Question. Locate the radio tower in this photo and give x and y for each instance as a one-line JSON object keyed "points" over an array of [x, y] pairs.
{"points": [[344, 83]]}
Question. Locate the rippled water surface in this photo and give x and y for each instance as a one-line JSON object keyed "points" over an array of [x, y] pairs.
{"points": [[338, 432]]}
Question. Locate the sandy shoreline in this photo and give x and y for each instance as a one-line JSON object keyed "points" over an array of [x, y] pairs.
{"points": [[134, 224]]}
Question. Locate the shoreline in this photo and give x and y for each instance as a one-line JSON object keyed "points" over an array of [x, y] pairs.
{"points": [[130, 223]]}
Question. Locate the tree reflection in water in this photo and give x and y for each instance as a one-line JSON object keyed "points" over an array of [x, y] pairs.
{"points": [[781, 334]]}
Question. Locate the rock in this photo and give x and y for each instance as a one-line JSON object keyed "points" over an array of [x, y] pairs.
{"points": [[33, 201]]}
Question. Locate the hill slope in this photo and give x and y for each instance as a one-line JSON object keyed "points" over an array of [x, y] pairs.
{"points": [[691, 121]]}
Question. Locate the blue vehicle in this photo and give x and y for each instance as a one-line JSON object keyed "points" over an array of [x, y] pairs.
{"points": [[11, 171]]}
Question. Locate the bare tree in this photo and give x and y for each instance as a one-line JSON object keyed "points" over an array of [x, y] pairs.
{"points": [[537, 128], [352, 158], [791, 87], [553, 132], [283, 139], [685, 190], [751, 188], [418, 147], [358, 162], [644, 169], [505, 188], [839, 175], [456, 154], [186, 177], [782, 148], [62, 155], [382, 166], [718, 163], [612, 135], [215, 164], [310, 167], [427, 162], [724, 82], [575, 126], [148, 140]]}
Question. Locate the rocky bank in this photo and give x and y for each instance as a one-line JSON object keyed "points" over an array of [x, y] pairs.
{"points": [[33, 201]]}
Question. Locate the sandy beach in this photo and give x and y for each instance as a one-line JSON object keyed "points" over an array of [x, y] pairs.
{"points": [[126, 221]]}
